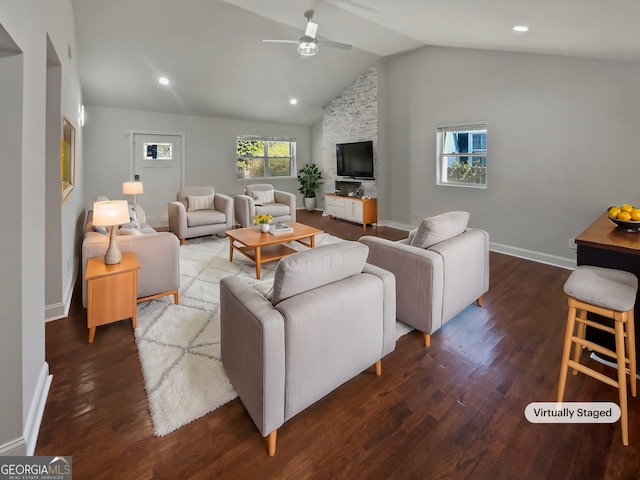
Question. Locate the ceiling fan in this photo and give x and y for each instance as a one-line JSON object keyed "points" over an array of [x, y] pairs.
{"points": [[308, 43]]}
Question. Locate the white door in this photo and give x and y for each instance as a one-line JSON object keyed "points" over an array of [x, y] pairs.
{"points": [[157, 161]]}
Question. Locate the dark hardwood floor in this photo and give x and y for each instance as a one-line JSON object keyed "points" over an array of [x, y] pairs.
{"points": [[454, 410]]}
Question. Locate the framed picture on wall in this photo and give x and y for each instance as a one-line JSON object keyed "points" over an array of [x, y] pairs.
{"points": [[68, 157]]}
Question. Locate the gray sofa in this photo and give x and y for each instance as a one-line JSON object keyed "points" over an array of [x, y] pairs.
{"points": [[279, 204], [157, 253], [326, 317], [440, 269], [190, 220]]}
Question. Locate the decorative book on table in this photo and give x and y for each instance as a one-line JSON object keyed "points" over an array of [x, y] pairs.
{"points": [[280, 228]]}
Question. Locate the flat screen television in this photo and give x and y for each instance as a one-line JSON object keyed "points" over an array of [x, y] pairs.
{"points": [[355, 159]]}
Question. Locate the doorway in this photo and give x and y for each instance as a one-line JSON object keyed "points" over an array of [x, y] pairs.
{"points": [[157, 161]]}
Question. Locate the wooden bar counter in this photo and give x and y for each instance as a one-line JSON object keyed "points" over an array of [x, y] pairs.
{"points": [[602, 244]]}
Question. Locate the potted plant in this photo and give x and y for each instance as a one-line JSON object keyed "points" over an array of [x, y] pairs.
{"points": [[309, 177]]}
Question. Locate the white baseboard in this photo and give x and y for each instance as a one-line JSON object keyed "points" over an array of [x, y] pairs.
{"points": [[397, 225], [554, 260], [14, 448], [36, 409], [316, 209], [55, 312], [60, 310]]}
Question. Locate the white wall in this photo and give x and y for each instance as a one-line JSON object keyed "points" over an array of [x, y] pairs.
{"points": [[210, 145], [23, 369], [561, 142]]}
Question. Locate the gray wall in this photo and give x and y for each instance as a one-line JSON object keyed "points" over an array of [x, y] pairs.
{"points": [[25, 131], [316, 157], [561, 142], [210, 149]]}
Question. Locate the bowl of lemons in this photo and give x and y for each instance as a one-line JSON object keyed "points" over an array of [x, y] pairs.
{"points": [[626, 217]]}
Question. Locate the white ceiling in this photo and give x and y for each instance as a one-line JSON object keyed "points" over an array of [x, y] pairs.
{"points": [[212, 50]]}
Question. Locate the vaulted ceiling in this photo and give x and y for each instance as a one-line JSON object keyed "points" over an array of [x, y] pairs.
{"points": [[213, 54]]}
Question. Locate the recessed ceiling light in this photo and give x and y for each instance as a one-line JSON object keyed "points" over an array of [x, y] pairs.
{"points": [[163, 81], [520, 28], [293, 101]]}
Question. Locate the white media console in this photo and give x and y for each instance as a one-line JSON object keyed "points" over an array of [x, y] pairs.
{"points": [[353, 209]]}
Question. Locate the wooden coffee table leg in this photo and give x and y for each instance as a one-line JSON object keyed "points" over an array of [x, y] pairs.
{"points": [[312, 241], [258, 261], [230, 249]]}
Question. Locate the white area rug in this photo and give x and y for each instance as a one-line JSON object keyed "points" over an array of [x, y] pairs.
{"points": [[179, 345]]}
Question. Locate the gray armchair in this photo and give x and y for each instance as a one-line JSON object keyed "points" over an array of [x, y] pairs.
{"points": [[326, 317], [440, 269], [200, 211], [263, 199]]}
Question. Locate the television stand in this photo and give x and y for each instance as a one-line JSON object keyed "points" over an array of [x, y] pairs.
{"points": [[345, 188], [353, 209]]}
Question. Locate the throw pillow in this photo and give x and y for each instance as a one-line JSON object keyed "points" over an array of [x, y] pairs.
{"points": [[142, 217], [264, 288], [262, 197], [436, 229], [316, 267], [201, 202], [129, 231], [133, 219], [102, 230]]}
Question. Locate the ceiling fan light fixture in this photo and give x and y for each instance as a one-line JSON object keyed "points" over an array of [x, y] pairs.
{"points": [[307, 46]]}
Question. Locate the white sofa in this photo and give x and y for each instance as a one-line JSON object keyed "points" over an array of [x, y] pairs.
{"points": [[157, 253]]}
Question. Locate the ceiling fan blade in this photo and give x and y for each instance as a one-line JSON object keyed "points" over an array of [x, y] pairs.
{"points": [[280, 41], [325, 43], [312, 29]]}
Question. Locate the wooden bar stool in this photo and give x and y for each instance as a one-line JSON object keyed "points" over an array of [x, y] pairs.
{"points": [[612, 294]]}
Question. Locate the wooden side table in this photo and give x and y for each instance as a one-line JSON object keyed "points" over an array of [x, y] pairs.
{"points": [[112, 291]]}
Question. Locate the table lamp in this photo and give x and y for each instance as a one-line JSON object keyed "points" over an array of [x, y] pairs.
{"points": [[111, 214], [132, 188]]}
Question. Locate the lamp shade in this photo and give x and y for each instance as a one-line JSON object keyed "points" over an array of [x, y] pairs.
{"points": [[114, 212], [132, 188]]}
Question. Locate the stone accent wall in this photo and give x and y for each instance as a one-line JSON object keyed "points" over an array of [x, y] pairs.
{"points": [[351, 117]]}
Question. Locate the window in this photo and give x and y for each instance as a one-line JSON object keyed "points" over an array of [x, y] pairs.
{"points": [[157, 151], [462, 155], [264, 157]]}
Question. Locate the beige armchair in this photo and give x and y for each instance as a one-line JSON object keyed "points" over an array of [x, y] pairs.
{"points": [[263, 199], [200, 211], [440, 269], [326, 317]]}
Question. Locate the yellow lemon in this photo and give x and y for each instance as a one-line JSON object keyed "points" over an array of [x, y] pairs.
{"points": [[613, 212], [626, 207], [624, 216], [635, 214]]}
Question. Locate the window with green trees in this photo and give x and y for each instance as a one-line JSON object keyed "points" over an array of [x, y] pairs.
{"points": [[462, 155], [265, 157]]}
